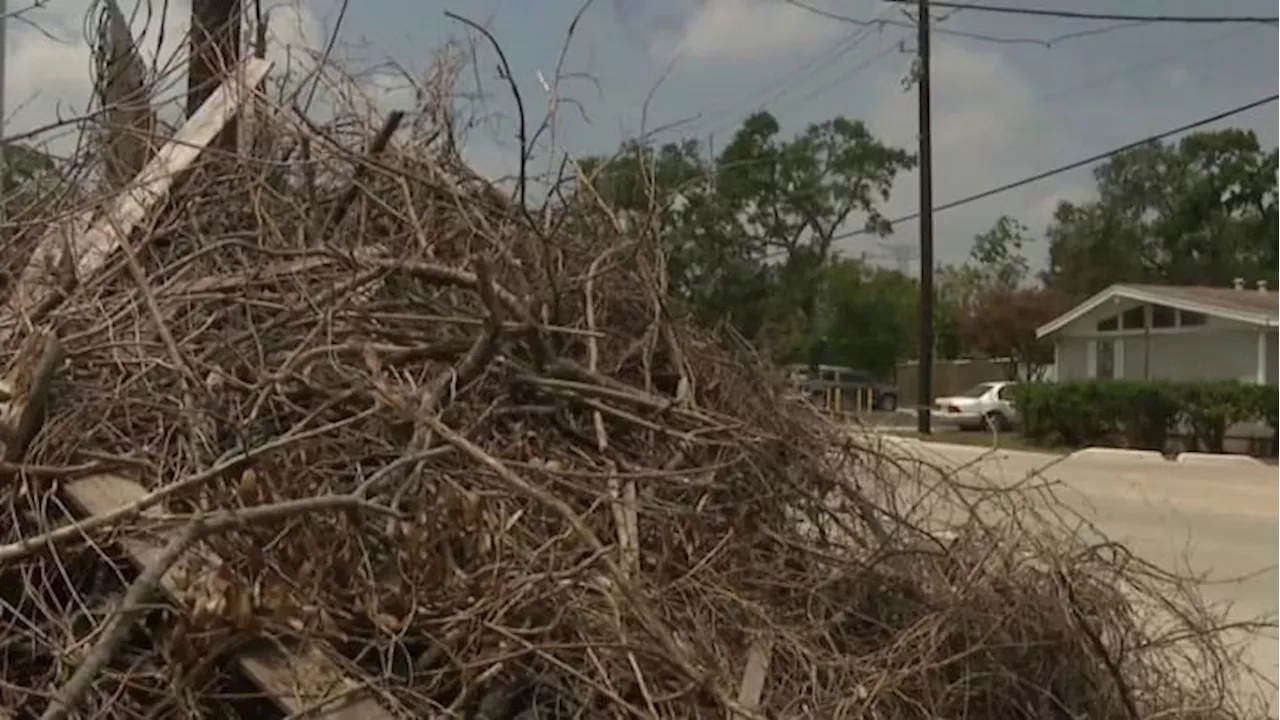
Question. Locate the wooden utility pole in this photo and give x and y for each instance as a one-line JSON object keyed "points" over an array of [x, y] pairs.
{"points": [[215, 48], [925, 400]]}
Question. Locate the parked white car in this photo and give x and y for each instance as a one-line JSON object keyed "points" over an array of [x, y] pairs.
{"points": [[985, 406]]}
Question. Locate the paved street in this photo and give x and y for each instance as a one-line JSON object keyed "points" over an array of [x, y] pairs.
{"points": [[1217, 520]]}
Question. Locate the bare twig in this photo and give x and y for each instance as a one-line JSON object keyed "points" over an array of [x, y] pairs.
{"points": [[113, 635]]}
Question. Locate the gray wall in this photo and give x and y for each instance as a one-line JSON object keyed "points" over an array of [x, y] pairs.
{"points": [[1220, 350]]}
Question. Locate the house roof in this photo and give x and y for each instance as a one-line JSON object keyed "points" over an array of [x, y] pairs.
{"points": [[1254, 307]]}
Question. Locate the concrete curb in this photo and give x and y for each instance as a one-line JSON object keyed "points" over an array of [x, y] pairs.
{"points": [[1106, 453], [1194, 458]]}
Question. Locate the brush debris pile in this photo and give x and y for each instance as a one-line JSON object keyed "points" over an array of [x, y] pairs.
{"points": [[569, 501]]}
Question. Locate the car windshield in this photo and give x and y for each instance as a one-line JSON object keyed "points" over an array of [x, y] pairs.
{"points": [[977, 391]]}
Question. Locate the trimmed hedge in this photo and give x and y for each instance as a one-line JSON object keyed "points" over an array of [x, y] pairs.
{"points": [[1140, 414]]}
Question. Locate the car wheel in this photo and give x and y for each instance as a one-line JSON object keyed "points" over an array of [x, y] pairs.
{"points": [[887, 403]]}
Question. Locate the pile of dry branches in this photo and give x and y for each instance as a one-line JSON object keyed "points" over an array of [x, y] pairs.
{"points": [[476, 455]]}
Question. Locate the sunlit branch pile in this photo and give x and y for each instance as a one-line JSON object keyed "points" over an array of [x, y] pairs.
{"points": [[519, 483]]}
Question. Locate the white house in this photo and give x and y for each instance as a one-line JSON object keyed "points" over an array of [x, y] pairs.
{"points": [[1164, 332]]}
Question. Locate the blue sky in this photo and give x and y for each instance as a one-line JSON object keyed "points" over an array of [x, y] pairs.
{"points": [[1001, 110]]}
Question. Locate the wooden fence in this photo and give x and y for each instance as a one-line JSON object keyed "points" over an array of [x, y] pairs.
{"points": [[950, 377]]}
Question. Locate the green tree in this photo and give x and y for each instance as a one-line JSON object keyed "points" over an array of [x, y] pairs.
{"points": [[865, 317], [1202, 210], [750, 232], [667, 191], [790, 198], [24, 164], [997, 255], [955, 287], [1001, 322], [27, 176]]}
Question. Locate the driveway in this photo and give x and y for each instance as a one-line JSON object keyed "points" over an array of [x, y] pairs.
{"points": [[1215, 520]]}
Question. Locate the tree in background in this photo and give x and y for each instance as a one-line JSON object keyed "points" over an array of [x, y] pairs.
{"points": [[998, 257], [1002, 321], [750, 236], [750, 232], [955, 288], [1201, 211], [27, 177], [865, 317], [1001, 307], [24, 165]]}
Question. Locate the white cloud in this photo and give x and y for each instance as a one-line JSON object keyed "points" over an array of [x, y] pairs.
{"points": [[745, 30], [49, 73], [987, 130]]}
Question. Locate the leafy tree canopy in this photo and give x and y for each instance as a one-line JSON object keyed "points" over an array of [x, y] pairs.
{"points": [[750, 231], [1200, 211]]}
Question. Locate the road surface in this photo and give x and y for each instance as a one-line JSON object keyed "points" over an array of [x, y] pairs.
{"points": [[1221, 521]]}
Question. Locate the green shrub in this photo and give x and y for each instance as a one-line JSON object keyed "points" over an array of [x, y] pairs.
{"points": [[1140, 414], [1212, 407], [1269, 410]]}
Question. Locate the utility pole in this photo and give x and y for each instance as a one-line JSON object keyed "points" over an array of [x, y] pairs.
{"points": [[925, 385]]}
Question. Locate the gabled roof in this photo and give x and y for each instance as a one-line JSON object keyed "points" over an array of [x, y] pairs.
{"points": [[1254, 307]]}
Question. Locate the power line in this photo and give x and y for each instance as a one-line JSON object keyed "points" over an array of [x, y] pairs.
{"points": [[1106, 17], [1059, 93], [1077, 164], [782, 85], [945, 140], [846, 77], [793, 79], [995, 39]]}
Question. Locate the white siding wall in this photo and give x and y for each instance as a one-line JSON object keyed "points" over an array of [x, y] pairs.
{"points": [[1219, 350], [1208, 355], [1273, 357], [1073, 358]]}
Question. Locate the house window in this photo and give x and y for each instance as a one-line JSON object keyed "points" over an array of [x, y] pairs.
{"points": [[1163, 316], [1110, 324], [1105, 360], [1187, 318], [1134, 318]]}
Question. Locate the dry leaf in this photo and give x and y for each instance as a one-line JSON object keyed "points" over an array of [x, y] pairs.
{"points": [[388, 622], [372, 361], [247, 488]]}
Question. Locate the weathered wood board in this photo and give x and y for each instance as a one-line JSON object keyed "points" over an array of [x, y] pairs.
{"points": [[306, 680], [66, 250]]}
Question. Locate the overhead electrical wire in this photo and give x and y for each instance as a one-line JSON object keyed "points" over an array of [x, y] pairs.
{"points": [[1077, 164], [781, 86], [995, 39], [847, 43], [1087, 161], [1104, 17], [847, 76], [793, 78], [944, 140]]}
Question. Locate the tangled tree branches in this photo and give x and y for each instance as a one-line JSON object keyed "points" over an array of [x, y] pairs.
{"points": [[585, 506]]}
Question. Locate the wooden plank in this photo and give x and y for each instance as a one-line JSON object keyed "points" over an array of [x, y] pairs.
{"points": [[303, 681], [88, 253], [25, 390], [754, 675]]}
